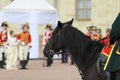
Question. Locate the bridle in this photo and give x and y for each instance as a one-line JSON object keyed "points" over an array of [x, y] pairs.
{"points": [[51, 50], [51, 45]]}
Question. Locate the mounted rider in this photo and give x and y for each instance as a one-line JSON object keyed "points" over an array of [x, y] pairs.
{"points": [[112, 50]]}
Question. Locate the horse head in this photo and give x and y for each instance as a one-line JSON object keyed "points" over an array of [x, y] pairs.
{"points": [[55, 43]]}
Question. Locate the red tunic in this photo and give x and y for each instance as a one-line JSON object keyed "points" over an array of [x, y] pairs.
{"points": [[24, 37], [3, 37], [106, 51], [47, 35], [107, 41]]}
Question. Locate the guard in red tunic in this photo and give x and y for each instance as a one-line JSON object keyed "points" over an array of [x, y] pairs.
{"points": [[104, 55], [3, 39], [92, 33], [106, 50], [46, 37], [24, 39]]}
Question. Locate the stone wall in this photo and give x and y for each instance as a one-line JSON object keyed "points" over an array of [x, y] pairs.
{"points": [[104, 12]]}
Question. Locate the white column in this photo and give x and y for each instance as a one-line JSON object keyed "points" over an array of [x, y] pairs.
{"points": [[34, 51]]}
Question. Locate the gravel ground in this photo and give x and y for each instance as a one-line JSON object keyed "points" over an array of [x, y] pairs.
{"points": [[36, 71]]}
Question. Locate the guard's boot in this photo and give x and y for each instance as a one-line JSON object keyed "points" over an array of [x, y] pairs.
{"points": [[20, 63], [26, 62], [27, 58], [23, 65], [1, 64], [49, 62], [3, 58]]}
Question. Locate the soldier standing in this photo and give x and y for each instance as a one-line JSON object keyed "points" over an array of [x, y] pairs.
{"points": [[3, 39], [24, 39], [46, 37]]}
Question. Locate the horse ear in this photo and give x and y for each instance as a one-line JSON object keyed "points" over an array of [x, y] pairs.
{"points": [[59, 24], [69, 22]]}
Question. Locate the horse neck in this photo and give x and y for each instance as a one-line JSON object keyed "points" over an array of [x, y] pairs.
{"points": [[76, 42]]}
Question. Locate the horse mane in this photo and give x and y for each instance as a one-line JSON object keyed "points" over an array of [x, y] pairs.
{"points": [[84, 51]]}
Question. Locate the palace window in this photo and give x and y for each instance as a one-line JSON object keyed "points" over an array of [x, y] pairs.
{"points": [[83, 9]]}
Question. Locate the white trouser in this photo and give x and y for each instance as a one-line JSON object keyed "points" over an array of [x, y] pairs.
{"points": [[12, 58], [23, 52], [2, 49]]}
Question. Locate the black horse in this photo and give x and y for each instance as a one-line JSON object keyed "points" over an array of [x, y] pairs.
{"points": [[84, 51]]}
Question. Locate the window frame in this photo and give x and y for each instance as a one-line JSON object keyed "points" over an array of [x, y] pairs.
{"points": [[85, 12]]}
